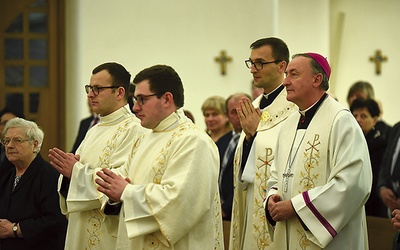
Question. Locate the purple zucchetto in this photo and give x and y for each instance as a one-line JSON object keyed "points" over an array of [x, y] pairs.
{"points": [[322, 62]]}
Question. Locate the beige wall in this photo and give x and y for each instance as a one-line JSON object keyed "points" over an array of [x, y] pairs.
{"points": [[188, 35], [368, 25]]}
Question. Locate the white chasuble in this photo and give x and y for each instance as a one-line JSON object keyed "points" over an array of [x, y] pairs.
{"points": [[248, 228], [173, 200], [330, 184], [106, 145]]}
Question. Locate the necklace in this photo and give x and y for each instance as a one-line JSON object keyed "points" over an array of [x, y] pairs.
{"points": [[291, 159], [16, 180]]}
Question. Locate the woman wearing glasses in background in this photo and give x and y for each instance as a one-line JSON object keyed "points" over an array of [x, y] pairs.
{"points": [[30, 216]]}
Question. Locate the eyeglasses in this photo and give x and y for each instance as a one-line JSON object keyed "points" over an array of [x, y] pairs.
{"points": [[259, 65], [96, 89], [140, 99], [15, 141]]}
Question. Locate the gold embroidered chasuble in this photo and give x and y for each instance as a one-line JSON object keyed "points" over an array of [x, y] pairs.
{"points": [[106, 145], [248, 227], [331, 182], [173, 202]]}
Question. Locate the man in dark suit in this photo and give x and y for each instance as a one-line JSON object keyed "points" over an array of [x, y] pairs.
{"points": [[227, 147], [84, 126], [389, 176]]}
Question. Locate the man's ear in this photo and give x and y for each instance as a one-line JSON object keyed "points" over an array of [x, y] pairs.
{"points": [[282, 66], [121, 92], [318, 80], [169, 98]]}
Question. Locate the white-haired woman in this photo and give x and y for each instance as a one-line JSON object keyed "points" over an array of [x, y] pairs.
{"points": [[30, 216]]}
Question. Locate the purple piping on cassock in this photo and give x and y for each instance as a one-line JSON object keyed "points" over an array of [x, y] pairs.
{"points": [[319, 216]]}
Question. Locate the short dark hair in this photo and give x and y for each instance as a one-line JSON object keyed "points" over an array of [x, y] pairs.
{"points": [[370, 104], [13, 111], [162, 79], [120, 76], [280, 50]]}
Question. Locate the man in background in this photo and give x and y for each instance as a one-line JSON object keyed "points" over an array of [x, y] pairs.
{"points": [[227, 147], [84, 126]]}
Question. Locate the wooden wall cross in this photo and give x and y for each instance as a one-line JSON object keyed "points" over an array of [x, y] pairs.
{"points": [[223, 59], [378, 58]]}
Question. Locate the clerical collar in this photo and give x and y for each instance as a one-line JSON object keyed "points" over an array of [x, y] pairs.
{"points": [[270, 97], [307, 114]]}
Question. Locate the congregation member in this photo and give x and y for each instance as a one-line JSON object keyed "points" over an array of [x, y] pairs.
{"points": [[365, 90], [321, 176], [217, 122], [168, 194], [226, 147], [30, 217], [84, 126], [389, 179], [106, 145], [366, 112], [260, 121]]}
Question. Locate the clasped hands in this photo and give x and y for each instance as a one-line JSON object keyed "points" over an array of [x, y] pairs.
{"points": [[63, 162], [249, 117], [278, 209], [111, 184], [6, 229]]}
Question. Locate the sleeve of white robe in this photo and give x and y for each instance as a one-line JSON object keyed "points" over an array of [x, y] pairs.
{"points": [[186, 191], [82, 193], [326, 209]]}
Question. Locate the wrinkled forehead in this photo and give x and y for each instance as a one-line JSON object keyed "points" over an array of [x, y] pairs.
{"points": [[299, 63], [14, 132]]}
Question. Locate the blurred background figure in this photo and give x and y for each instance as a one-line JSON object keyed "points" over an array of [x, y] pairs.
{"points": [[30, 217], [131, 95], [217, 122], [364, 90], [189, 115], [360, 89], [255, 91], [84, 126], [366, 112], [5, 115], [227, 146]]}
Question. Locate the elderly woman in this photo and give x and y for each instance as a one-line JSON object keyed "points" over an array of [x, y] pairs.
{"points": [[30, 216], [215, 117]]}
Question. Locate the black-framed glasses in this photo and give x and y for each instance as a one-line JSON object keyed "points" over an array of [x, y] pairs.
{"points": [[259, 65], [141, 99], [96, 89], [15, 141]]}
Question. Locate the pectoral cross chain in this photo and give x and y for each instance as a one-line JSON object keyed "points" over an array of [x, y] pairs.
{"points": [[286, 177]]}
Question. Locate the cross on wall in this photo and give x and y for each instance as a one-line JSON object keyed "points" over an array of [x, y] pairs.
{"points": [[223, 59], [378, 58]]}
